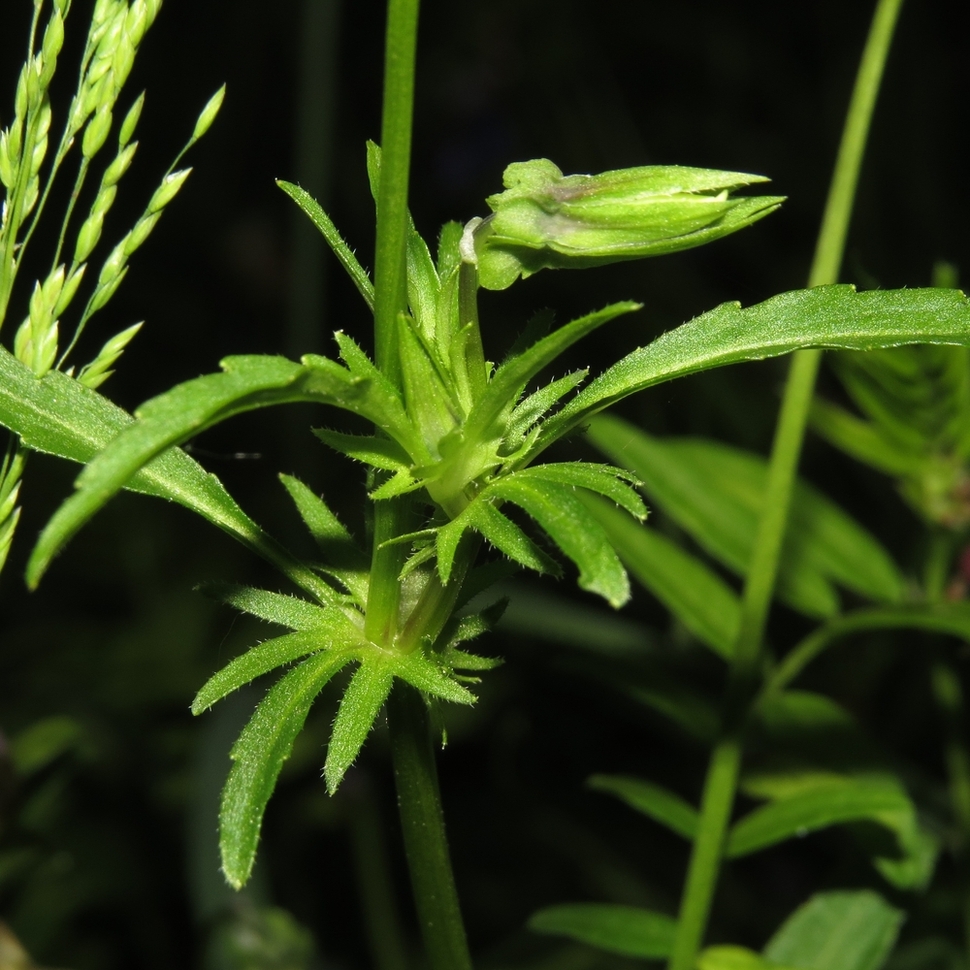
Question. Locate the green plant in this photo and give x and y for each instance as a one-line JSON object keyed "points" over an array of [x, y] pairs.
{"points": [[457, 441]]}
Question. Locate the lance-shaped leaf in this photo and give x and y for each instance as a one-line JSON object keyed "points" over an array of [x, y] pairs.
{"points": [[569, 524], [626, 930], [258, 757], [837, 931], [697, 596], [363, 699], [421, 671], [288, 611], [500, 531], [334, 240], [274, 653], [185, 410], [655, 802], [533, 408], [878, 800], [56, 415], [827, 316], [508, 381], [329, 533], [715, 492]]}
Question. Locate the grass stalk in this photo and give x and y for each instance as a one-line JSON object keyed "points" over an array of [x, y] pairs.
{"points": [[721, 783]]}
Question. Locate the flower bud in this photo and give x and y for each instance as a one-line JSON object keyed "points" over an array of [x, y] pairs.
{"points": [[547, 220]]}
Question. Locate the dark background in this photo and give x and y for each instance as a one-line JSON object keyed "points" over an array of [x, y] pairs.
{"points": [[118, 870]]}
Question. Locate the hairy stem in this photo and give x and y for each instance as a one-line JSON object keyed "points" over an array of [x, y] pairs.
{"points": [[423, 824], [721, 784], [390, 284]]}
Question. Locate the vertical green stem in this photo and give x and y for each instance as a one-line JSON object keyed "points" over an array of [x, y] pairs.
{"points": [[390, 284], [721, 783], [423, 824], [419, 802]]}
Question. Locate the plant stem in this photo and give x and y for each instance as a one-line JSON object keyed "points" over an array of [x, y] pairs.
{"points": [[390, 284], [721, 783], [423, 824]]}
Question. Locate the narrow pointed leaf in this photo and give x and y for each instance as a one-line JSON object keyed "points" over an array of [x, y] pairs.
{"points": [[838, 931], [329, 533], [363, 699], [697, 596], [258, 757], [715, 492], [377, 452], [288, 611], [853, 800], [500, 531], [827, 316], [421, 672], [58, 416], [265, 657], [626, 930], [509, 379], [603, 479], [655, 802], [335, 241], [568, 522], [534, 407]]}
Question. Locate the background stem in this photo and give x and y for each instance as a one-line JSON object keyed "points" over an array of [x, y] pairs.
{"points": [[423, 824], [722, 775]]}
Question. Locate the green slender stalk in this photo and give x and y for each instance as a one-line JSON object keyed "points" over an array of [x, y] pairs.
{"points": [[419, 801], [423, 824], [390, 284], [722, 777]]}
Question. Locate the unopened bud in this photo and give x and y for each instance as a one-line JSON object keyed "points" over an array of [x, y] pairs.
{"points": [[114, 264], [547, 220]]}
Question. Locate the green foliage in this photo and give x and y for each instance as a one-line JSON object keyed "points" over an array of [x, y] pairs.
{"points": [[458, 492], [616, 929], [837, 931]]}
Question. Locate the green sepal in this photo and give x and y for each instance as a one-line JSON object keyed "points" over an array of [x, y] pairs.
{"points": [[547, 220]]}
